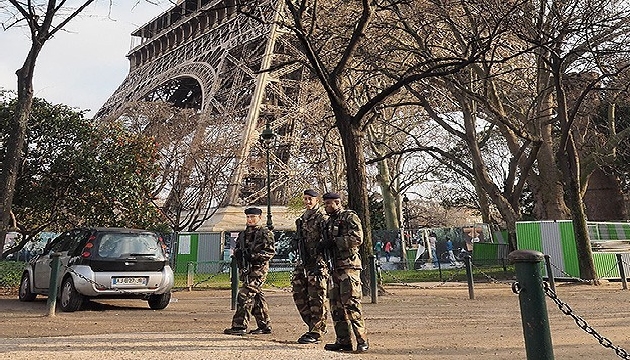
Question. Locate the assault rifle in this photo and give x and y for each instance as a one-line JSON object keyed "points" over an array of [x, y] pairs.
{"points": [[242, 254], [299, 244], [328, 252], [299, 239]]}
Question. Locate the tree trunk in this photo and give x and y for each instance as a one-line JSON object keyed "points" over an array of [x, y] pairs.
{"points": [[569, 163], [484, 204], [15, 142], [547, 185], [352, 139], [389, 200], [484, 182]]}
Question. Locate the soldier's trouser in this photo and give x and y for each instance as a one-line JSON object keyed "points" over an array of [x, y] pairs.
{"points": [[345, 305], [309, 295], [251, 301]]}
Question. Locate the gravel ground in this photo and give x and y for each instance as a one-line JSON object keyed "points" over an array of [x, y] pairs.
{"points": [[421, 321]]}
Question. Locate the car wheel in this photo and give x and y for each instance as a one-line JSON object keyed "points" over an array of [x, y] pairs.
{"points": [[26, 294], [159, 301], [71, 300]]}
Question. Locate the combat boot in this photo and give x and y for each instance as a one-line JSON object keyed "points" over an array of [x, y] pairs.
{"points": [[261, 330], [309, 338], [363, 347], [235, 331], [338, 347]]}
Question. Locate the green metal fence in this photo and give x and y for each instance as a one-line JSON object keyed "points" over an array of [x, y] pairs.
{"points": [[488, 254], [216, 274]]}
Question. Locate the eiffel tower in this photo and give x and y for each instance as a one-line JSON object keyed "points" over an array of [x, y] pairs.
{"points": [[204, 54]]}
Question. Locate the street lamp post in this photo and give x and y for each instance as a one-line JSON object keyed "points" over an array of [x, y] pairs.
{"points": [[405, 226], [266, 138], [406, 211]]}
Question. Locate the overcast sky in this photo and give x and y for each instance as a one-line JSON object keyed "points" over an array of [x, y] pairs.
{"points": [[84, 65]]}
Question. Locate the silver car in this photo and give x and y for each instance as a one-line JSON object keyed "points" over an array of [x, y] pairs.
{"points": [[102, 263]]}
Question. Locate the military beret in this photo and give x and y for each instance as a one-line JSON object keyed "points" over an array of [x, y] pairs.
{"points": [[253, 211], [311, 192], [330, 195]]}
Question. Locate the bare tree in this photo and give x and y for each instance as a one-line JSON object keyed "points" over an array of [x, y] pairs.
{"points": [[526, 92], [580, 38], [341, 42], [195, 159], [43, 19]]}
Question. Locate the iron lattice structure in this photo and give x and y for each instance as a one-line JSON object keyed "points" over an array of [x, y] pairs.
{"points": [[204, 54]]}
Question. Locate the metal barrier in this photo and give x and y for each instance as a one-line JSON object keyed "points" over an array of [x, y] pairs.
{"points": [[532, 290], [373, 279], [52, 287], [533, 306]]}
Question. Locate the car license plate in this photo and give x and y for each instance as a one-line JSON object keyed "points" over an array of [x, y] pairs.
{"points": [[122, 281]]}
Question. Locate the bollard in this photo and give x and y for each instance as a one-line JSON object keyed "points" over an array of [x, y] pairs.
{"points": [[552, 282], [191, 275], [52, 295], [622, 272], [531, 296], [469, 277], [234, 281], [373, 279]]}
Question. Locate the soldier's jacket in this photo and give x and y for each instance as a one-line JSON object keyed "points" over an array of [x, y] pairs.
{"points": [[259, 242], [345, 228], [312, 223]]}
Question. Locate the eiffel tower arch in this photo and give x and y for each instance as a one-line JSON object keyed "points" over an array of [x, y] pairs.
{"points": [[204, 54]]}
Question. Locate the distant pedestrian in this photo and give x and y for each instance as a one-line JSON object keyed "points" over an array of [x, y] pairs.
{"points": [[449, 248], [378, 248], [388, 250], [433, 248]]}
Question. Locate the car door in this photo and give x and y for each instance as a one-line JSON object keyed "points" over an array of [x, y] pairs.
{"points": [[65, 245], [42, 266]]}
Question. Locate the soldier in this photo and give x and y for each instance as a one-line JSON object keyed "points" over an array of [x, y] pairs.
{"points": [[254, 248], [342, 236], [310, 275]]}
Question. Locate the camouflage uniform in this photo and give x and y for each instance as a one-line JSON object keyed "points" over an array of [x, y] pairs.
{"points": [[258, 241], [344, 229], [310, 277]]}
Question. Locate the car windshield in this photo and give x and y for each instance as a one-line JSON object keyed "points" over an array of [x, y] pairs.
{"points": [[116, 246]]}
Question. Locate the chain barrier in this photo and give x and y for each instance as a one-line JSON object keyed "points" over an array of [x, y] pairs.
{"points": [[607, 273], [98, 285], [398, 280], [224, 266], [280, 267], [284, 289], [571, 276], [610, 271], [489, 277], [581, 323]]}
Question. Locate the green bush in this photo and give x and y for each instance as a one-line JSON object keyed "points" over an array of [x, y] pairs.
{"points": [[10, 274]]}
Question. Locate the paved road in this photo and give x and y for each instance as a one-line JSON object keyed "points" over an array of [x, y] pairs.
{"points": [[158, 346], [428, 321]]}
